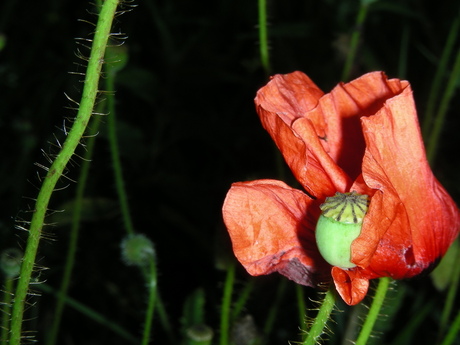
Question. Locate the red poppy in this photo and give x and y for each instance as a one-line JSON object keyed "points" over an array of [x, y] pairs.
{"points": [[362, 136]]}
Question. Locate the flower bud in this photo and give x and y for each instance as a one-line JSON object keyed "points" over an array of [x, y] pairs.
{"points": [[200, 335], [137, 250], [10, 262], [339, 225]]}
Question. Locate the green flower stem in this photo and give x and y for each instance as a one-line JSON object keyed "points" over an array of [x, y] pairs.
{"points": [[226, 303], [274, 307], [263, 37], [151, 278], [441, 114], [90, 91], [75, 228], [404, 52], [301, 306], [355, 40], [243, 297], [439, 76], [324, 312], [91, 314], [164, 319], [7, 299], [113, 141], [449, 303], [453, 331], [374, 311]]}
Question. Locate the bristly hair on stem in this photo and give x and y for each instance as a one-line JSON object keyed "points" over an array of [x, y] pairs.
{"points": [[318, 327], [58, 166]]}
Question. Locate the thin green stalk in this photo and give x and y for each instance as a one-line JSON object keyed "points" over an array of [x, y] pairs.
{"points": [[374, 311], [226, 304], [301, 306], [242, 299], [449, 303], [91, 314], [54, 173], [432, 144], [453, 331], [164, 320], [319, 325], [355, 36], [440, 73], [404, 52], [74, 231], [151, 279], [263, 37], [115, 153], [6, 310], [274, 307]]}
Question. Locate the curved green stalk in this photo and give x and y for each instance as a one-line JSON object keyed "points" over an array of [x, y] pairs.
{"points": [[355, 40], [242, 299], [374, 311], [319, 325], [275, 307], [151, 278], [263, 37], [74, 231], [226, 303], [90, 91], [7, 299], [449, 303], [302, 307], [113, 141], [453, 331], [440, 73], [441, 114], [91, 314]]}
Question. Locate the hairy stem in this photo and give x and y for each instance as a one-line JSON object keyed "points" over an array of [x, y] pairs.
{"points": [[374, 311], [151, 279], [319, 325], [54, 173]]}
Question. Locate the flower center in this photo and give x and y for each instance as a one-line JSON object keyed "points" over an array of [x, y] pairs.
{"points": [[339, 225]]}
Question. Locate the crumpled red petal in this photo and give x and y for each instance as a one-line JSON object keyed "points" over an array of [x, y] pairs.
{"points": [[351, 285], [412, 220], [275, 232]]}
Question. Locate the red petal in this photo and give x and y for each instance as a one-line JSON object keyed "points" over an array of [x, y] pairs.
{"points": [[289, 96], [272, 229], [280, 104], [411, 220], [351, 285], [337, 118]]}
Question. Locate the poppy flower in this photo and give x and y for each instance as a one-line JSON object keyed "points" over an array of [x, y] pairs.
{"points": [[363, 137]]}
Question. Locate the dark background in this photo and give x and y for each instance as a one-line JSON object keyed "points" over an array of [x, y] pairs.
{"points": [[187, 130]]}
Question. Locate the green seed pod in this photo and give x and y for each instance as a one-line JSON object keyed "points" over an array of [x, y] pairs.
{"points": [[339, 225]]}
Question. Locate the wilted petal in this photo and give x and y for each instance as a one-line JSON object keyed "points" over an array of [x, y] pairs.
{"points": [[351, 285], [411, 220], [272, 229], [289, 96], [337, 118], [284, 101]]}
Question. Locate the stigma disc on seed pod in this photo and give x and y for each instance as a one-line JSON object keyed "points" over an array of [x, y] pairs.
{"points": [[339, 225]]}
